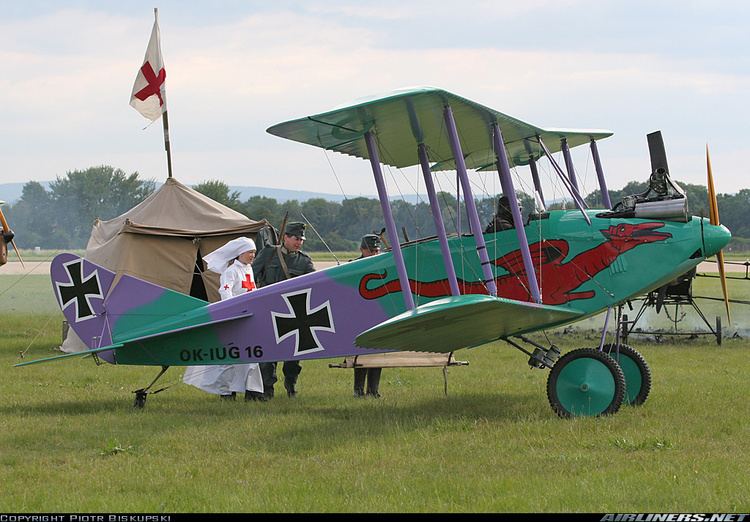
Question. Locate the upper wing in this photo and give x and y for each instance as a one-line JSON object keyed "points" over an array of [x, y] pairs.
{"points": [[462, 321], [404, 118]]}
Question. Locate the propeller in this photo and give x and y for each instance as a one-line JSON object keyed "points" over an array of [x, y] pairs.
{"points": [[6, 228], [713, 212]]}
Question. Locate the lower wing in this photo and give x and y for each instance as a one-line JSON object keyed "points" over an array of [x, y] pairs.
{"points": [[462, 321]]}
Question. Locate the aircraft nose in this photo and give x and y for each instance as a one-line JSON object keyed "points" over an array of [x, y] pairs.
{"points": [[715, 237]]}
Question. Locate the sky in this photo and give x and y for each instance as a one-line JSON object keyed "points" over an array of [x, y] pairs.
{"points": [[234, 68]]}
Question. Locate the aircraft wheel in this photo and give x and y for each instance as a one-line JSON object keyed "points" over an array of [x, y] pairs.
{"points": [[585, 383], [636, 370]]}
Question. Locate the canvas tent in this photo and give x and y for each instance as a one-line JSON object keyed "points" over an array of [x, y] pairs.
{"points": [[163, 239]]}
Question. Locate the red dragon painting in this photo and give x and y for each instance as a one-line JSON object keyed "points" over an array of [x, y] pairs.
{"points": [[558, 279]]}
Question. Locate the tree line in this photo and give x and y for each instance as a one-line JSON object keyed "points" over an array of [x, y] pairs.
{"points": [[62, 217]]}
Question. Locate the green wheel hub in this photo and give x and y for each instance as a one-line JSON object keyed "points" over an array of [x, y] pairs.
{"points": [[585, 387], [585, 383]]}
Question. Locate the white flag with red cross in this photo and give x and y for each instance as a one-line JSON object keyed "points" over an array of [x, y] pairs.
{"points": [[149, 94]]}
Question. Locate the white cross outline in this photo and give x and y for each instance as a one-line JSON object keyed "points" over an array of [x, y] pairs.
{"points": [[291, 315], [58, 285]]}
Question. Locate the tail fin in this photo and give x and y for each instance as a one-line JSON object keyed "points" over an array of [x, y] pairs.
{"points": [[103, 311]]}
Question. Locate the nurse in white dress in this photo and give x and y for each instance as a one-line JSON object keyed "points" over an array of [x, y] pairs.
{"points": [[234, 262]]}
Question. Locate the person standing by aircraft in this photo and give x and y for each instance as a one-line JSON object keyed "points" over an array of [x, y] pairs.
{"points": [[274, 264], [234, 262], [369, 246]]}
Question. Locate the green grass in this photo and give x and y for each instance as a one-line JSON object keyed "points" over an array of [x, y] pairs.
{"points": [[44, 254], [71, 440], [21, 294], [329, 256]]}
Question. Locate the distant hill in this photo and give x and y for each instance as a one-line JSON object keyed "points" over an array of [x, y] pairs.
{"points": [[11, 192], [282, 195]]}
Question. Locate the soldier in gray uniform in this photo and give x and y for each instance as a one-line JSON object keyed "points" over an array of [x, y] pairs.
{"points": [[369, 246], [269, 269]]}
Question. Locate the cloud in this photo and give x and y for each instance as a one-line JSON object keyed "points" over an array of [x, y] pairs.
{"points": [[70, 72]]}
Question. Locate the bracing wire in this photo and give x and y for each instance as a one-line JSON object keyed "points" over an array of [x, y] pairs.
{"points": [[338, 182], [320, 237]]}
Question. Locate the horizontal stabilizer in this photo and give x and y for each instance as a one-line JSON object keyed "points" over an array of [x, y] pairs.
{"points": [[73, 354], [462, 321], [160, 330], [129, 343]]}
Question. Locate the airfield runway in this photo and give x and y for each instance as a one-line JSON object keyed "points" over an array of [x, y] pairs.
{"points": [[42, 267]]}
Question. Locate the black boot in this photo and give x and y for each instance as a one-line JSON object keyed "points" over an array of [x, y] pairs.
{"points": [[291, 371], [229, 396], [255, 396], [268, 373], [373, 382], [359, 382]]}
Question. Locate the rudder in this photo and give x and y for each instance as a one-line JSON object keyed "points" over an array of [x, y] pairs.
{"points": [[103, 310]]}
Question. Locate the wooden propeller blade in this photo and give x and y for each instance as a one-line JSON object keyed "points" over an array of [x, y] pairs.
{"points": [[713, 207], [6, 228], [13, 242], [713, 211]]}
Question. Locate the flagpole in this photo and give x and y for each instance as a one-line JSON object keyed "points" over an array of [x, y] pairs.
{"points": [[165, 119]]}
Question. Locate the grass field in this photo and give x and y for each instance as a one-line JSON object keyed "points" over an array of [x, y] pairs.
{"points": [[71, 440]]}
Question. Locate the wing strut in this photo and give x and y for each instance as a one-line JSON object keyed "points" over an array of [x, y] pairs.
{"points": [[535, 177], [600, 174], [573, 192], [569, 166], [398, 256], [438, 219], [506, 181], [471, 208]]}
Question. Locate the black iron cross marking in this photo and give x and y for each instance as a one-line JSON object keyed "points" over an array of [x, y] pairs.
{"points": [[79, 290], [303, 322]]}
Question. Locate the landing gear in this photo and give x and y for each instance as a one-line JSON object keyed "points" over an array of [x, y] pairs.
{"points": [[635, 369], [585, 382], [140, 398], [142, 394]]}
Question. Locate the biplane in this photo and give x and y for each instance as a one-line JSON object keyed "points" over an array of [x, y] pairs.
{"points": [[434, 294]]}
